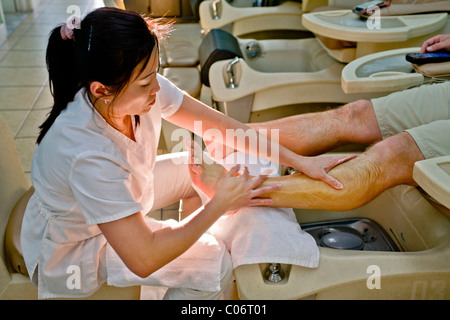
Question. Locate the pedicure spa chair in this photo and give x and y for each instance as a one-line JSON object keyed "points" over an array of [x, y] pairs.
{"points": [[263, 19], [396, 246], [249, 77], [245, 17]]}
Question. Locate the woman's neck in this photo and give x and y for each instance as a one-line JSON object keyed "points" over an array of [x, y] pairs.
{"points": [[123, 124]]}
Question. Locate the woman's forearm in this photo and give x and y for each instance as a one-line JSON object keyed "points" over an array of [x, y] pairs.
{"points": [[220, 132], [145, 251]]}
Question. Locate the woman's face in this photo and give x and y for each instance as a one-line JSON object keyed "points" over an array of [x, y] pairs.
{"points": [[139, 95]]}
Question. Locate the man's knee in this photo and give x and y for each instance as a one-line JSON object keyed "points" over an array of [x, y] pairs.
{"points": [[396, 156], [360, 122], [356, 110]]}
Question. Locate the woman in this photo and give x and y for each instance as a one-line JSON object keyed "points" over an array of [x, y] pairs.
{"points": [[96, 173]]}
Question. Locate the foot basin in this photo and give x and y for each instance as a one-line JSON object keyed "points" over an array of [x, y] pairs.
{"points": [[412, 261], [350, 234], [285, 72]]}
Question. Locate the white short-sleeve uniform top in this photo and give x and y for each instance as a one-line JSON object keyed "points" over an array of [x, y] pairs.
{"points": [[84, 173]]}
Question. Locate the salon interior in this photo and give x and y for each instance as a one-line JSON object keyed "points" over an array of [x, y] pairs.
{"points": [[257, 60]]}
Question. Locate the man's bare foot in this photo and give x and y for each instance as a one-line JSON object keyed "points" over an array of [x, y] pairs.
{"points": [[204, 174]]}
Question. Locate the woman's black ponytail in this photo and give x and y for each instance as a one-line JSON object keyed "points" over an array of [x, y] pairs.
{"points": [[107, 47], [63, 76]]}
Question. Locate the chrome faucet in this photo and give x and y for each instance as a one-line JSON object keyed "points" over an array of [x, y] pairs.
{"points": [[230, 73], [215, 9], [274, 273]]}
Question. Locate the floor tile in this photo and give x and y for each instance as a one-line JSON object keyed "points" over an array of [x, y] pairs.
{"points": [[20, 30], [9, 43], [33, 76], [14, 119], [156, 214], [30, 126], [13, 21], [45, 99], [57, 18], [3, 53], [24, 58], [40, 29], [169, 213], [18, 98], [31, 43]]}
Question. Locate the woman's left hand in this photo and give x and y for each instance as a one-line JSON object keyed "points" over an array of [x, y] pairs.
{"points": [[318, 167]]}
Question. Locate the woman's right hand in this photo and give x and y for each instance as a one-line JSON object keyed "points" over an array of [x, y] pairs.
{"points": [[237, 190], [230, 190]]}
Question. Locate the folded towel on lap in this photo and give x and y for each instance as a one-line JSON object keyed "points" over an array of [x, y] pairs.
{"points": [[263, 234]]}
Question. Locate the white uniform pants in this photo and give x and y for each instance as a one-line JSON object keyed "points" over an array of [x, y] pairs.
{"points": [[174, 183]]}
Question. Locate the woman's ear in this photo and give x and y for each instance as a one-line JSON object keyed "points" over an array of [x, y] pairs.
{"points": [[99, 90]]}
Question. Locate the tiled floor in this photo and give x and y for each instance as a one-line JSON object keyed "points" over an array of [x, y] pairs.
{"points": [[13, 20]]}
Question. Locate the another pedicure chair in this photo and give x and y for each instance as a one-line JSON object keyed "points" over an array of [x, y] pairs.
{"points": [[243, 17], [249, 77], [346, 37], [383, 72]]}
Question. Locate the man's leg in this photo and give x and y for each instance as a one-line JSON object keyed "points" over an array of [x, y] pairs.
{"points": [[386, 164], [316, 133]]}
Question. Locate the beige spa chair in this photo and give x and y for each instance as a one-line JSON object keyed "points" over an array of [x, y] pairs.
{"points": [[376, 58], [240, 18], [420, 227], [346, 37], [287, 74], [389, 71], [14, 194], [417, 220]]}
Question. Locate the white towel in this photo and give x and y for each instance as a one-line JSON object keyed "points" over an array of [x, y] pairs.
{"points": [[198, 268], [263, 234]]}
